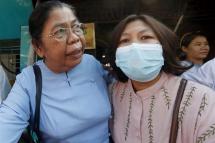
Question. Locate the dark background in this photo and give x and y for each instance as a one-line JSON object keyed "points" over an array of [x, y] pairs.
{"points": [[197, 15]]}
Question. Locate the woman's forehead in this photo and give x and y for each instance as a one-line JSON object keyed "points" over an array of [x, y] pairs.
{"points": [[60, 16], [137, 26]]}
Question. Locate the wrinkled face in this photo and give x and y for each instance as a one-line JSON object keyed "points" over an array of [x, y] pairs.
{"points": [[198, 49], [61, 46], [137, 32]]}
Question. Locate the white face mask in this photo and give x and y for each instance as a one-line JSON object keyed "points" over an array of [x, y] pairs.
{"points": [[140, 62]]}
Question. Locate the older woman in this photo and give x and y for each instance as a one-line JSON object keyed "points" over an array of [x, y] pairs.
{"points": [[144, 59], [74, 102]]}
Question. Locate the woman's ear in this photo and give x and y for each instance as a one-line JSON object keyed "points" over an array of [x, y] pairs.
{"points": [[184, 49], [37, 48]]}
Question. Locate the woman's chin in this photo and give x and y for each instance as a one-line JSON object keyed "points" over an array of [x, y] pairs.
{"points": [[73, 62]]}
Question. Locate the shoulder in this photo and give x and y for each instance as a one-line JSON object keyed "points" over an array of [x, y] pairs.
{"points": [[116, 87], [24, 78], [92, 63], [89, 58], [27, 74], [200, 90], [208, 66], [89, 61]]}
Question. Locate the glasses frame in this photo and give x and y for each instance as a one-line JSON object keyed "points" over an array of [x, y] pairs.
{"points": [[77, 29]]}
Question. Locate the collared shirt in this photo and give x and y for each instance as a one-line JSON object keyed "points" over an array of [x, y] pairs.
{"points": [[4, 85], [74, 105], [145, 116], [204, 74]]}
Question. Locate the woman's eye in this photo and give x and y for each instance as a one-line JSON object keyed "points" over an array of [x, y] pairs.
{"points": [[60, 32], [197, 44], [123, 41], [146, 37], [206, 44]]}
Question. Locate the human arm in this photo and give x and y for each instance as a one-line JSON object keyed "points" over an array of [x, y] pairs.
{"points": [[15, 110], [105, 72]]}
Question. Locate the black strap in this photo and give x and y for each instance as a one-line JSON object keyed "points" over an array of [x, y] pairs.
{"points": [[38, 80], [174, 125]]}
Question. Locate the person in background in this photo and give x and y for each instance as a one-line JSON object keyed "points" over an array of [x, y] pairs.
{"points": [[194, 50], [74, 106], [205, 74], [143, 56], [4, 85]]}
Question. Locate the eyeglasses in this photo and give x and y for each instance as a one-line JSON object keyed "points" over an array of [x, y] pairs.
{"points": [[62, 33]]}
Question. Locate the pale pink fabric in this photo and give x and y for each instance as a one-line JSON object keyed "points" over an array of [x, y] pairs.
{"points": [[145, 116]]}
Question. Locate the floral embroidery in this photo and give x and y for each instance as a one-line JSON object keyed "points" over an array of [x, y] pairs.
{"points": [[202, 105], [201, 108], [129, 116], [166, 97], [123, 93], [150, 125], [207, 134], [185, 104]]}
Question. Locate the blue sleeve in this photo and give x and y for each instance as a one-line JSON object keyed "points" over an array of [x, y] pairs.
{"points": [[15, 110], [4, 85], [104, 72]]}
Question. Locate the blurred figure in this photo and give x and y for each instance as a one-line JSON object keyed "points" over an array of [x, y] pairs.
{"points": [[194, 50], [4, 85], [143, 56], [74, 106], [195, 46]]}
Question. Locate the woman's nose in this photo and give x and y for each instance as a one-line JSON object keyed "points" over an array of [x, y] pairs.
{"points": [[72, 37]]}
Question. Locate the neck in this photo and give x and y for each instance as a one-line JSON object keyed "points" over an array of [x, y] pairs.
{"points": [[196, 61], [137, 85]]}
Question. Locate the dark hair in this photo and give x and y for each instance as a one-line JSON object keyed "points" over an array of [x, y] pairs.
{"points": [[186, 39], [166, 37], [40, 15]]}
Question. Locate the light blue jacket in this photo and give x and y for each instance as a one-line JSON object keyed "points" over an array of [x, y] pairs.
{"points": [[4, 85], [74, 105], [204, 74]]}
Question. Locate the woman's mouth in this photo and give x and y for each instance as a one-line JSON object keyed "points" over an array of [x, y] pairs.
{"points": [[75, 54], [74, 50]]}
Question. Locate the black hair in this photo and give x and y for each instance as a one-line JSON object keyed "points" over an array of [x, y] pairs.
{"points": [[186, 39], [40, 15]]}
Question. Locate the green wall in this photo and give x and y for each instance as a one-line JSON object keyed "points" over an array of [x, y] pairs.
{"points": [[13, 15]]}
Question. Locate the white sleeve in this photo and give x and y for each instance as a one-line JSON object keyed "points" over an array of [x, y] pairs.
{"points": [[207, 73], [204, 75], [4, 85]]}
